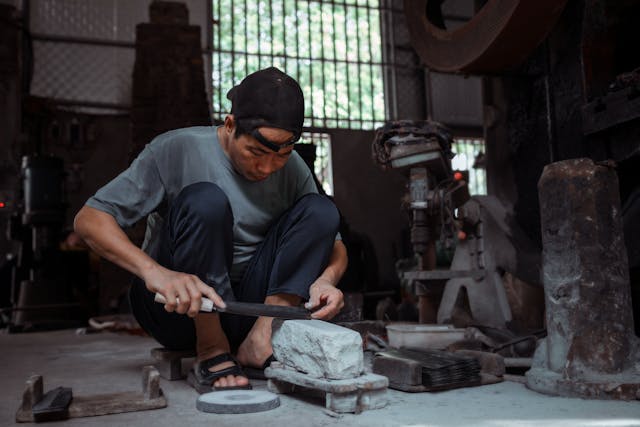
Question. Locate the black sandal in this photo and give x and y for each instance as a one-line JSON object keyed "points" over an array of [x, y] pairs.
{"points": [[202, 379]]}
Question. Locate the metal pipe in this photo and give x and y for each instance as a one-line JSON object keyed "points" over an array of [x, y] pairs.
{"points": [[346, 55], [81, 40], [394, 76], [322, 55], [549, 104], [92, 104]]}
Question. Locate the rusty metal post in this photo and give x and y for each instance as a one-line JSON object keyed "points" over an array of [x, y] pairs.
{"points": [[427, 301], [590, 350]]}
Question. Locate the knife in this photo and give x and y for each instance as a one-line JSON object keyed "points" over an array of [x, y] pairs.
{"points": [[250, 309]]}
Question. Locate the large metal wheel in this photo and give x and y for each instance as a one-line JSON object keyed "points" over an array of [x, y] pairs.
{"points": [[501, 34]]}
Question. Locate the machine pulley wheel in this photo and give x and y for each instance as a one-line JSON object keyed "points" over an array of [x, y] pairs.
{"points": [[500, 35]]}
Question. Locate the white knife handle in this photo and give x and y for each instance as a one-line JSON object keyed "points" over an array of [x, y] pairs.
{"points": [[207, 304]]}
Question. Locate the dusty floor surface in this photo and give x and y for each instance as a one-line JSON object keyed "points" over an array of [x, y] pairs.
{"points": [[107, 362]]}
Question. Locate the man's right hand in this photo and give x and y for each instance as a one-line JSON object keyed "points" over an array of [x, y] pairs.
{"points": [[183, 292], [102, 233]]}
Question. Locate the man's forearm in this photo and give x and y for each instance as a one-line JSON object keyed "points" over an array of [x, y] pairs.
{"points": [[183, 292], [103, 235]]}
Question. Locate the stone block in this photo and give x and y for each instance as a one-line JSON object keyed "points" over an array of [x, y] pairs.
{"points": [[317, 348]]}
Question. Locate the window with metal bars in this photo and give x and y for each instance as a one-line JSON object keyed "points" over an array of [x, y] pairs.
{"points": [[332, 48], [322, 163], [470, 157]]}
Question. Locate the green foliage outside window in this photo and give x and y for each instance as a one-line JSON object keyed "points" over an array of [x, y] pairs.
{"points": [[333, 49]]}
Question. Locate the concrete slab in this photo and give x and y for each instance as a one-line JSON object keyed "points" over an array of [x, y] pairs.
{"points": [[107, 362]]}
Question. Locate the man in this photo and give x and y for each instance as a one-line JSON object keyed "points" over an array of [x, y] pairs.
{"points": [[231, 208]]}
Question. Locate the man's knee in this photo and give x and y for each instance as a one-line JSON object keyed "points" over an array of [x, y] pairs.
{"points": [[320, 212], [202, 203]]}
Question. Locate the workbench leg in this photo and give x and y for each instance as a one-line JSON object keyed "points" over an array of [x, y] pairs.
{"points": [[280, 387], [150, 382], [343, 402], [169, 362], [372, 399], [32, 394]]}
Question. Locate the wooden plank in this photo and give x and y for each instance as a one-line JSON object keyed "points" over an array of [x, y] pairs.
{"points": [[113, 403], [151, 397]]}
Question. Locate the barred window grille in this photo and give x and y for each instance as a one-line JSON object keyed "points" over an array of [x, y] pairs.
{"points": [[322, 164], [332, 48], [470, 157]]}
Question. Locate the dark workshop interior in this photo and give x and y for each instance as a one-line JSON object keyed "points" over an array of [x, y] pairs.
{"points": [[483, 155]]}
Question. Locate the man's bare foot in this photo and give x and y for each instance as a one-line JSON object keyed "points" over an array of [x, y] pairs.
{"points": [[256, 348]]}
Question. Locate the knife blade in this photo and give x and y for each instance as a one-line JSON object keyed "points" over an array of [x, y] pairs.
{"points": [[250, 309]]}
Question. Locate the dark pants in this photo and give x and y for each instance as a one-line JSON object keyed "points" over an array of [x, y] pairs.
{"points": [[198, 239]]}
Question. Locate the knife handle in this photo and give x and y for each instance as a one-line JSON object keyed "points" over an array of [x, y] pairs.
{"points": [[207, 304]]}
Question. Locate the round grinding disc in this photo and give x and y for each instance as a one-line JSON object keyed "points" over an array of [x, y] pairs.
{"points": [[237, 401]]}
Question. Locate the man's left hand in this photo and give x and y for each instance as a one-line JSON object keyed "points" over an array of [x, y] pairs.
{"points": [[323, 294]]}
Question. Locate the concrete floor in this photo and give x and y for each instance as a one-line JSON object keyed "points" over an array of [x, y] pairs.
{"points": [[108, 362]]}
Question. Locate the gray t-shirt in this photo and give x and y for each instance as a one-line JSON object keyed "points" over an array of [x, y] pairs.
{"points": [[182, 157]]}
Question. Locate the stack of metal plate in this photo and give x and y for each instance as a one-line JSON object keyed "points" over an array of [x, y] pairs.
{"points": [[441, 369], [427, 370]]}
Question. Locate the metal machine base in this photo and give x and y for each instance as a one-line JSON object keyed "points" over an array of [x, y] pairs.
{"points": [[622, 386]]}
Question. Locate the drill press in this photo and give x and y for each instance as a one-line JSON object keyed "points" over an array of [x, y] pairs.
{"points": [[422, 151]]}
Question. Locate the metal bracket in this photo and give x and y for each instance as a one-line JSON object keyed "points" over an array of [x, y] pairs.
{"points": [[443, 274]]}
